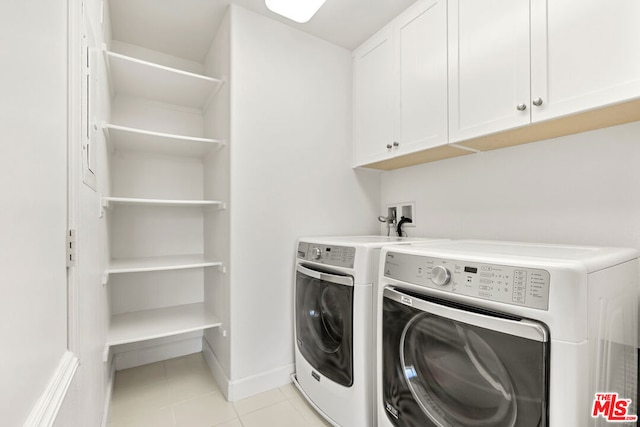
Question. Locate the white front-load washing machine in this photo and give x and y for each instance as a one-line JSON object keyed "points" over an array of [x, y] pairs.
{"points": [[496, 334], [334, 325]]}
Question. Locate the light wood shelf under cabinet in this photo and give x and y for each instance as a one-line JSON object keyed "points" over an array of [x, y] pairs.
{"points": [[127, 138], [158, 323], [598, 118], [138, 78]]}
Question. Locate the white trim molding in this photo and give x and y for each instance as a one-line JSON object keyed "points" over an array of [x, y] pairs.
{"points": [[216, 369], [250, 386], [235, 390], [74, 130], [46, 409], [109, 392]]}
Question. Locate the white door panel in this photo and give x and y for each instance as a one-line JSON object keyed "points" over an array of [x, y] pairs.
{"points": [[585, 54], [422, 58], [488, 66], [374, 99]]}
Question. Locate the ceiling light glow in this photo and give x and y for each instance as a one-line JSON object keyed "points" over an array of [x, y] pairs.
{"points": [[299, 11]]}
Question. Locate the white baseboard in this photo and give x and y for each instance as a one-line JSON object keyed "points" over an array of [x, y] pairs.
{"points": [[250, 386], [108, 393], [235, 390], [137, 354], [216, 369], [46, 409]]}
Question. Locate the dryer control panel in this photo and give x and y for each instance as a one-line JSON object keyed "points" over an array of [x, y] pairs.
{"points": [[528, 287], [338, 256]]}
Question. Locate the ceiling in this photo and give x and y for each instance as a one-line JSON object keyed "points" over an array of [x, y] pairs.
{"points": [[346, 23], [154, 23]]}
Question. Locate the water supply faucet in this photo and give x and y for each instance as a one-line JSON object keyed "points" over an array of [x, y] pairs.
{"points": [[390, 220]]}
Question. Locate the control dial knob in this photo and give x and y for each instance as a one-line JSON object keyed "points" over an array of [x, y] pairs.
{"points": [[316, 253], [440, 275]]}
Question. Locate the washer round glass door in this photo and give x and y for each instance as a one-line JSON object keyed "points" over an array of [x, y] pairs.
{"points": [[324, 318], [324, 322], [447, 365]]}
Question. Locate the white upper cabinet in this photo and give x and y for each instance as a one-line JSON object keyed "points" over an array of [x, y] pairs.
{"points": [[489, 82], [374, 99], [585, 54], [518, 62], [421, 57], [400, 86]]}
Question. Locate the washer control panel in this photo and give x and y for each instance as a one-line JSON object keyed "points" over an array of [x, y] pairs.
{"points": [[528, 287], [338, 256]]}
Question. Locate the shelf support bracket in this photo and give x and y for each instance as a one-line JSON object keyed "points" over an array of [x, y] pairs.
{"points": [[105, 354], [462, 147], [103, 205], [222, 268], [105, 278]]}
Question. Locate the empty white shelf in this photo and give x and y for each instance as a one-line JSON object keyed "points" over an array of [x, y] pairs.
{"points": [[179, 262], [157, 323], [107, 201], [127, 138], [135, 77]]}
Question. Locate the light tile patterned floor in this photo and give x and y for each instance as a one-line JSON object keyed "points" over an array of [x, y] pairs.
{"points": [[182, 393]]}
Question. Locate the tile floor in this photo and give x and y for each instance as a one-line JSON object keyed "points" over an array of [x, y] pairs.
{"points": [[182, 393]]}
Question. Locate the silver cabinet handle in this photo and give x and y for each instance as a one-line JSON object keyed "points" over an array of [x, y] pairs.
{"points": [[521, 107], [389, 146], [537, 102], [396, 143]]}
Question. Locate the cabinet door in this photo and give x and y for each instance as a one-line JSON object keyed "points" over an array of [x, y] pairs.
{"points": [[489, 73], [374, 100], [421, 56], [585, 54]]}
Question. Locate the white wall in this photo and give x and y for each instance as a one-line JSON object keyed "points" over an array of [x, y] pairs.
{"points": [[580, 189], [290, 176], [33, 211]]}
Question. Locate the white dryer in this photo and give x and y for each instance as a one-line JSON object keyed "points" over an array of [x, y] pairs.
{"points": [[334, 325], [496, 334]]}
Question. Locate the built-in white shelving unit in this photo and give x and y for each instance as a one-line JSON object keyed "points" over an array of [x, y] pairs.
{"points": [[143, 79], [127, 138], [157, 323], [158, 142]]}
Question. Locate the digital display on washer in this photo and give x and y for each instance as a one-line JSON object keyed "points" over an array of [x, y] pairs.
{"points": [[338, 256], [473, 270]]}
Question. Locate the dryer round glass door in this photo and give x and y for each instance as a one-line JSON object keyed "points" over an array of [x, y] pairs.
{"points": [[454, 366], [454, 375], [324, 322]]}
